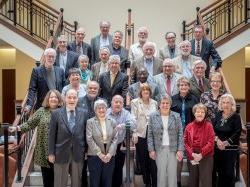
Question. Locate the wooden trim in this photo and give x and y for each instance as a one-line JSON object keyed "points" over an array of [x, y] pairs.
{"points": [[216, 4], [46, 6], [240, 100]]}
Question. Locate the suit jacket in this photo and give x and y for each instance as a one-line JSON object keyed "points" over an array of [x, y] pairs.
{"points": [[195, 89], [72, 61], [155, 132], [62, 139], [139, 63], [95, 68], [178, 63], [86, 49], [95, 137], [160, 80], [119, 87], [164, 52], [95, 46], [124, 58], [133, 90], [38, 86], [88, 105], [208, 50]]}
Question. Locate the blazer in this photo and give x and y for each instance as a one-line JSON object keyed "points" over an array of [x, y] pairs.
{"points": [[62, 139], [155, 132], [95, 68], [119, 87], [124, 58], [208, 50], [160, 80], [86, 49], [38, 86], [164, 52], [95, 137], [139, 63], [195, 89], [72, 61], [87, 104], [95, 46], [133, 90]]}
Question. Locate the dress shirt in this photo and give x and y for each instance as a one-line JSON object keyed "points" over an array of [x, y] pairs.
{"points": [[63, 60], [148, 64], [186, 69], [104, 129], [104, 42], [103, 67], [165, 136]]}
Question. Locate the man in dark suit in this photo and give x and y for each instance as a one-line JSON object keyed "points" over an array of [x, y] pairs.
{"points": [[151, 63], [205, 49], [67, 141], [79, 46], [102, 40], [113, 82], [117, 49], [65, 59], [43, 79]]}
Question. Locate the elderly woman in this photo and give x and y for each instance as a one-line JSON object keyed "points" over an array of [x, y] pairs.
{"points": [[102, 142], [165, 143], [74, 82], [85, 73], [41, 120], [227, 127], [199, 144], [141, 107], [211, 98], [183, 103]]}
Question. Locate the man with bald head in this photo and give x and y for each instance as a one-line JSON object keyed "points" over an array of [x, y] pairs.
{"points": [[79, 46], [151, 63], [104, 39]]}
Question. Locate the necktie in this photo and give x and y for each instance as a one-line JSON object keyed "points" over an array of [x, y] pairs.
{"points": [[78, 48], [200, 85], [71, 121], [198, 48], [183, 118], [168, 83]]}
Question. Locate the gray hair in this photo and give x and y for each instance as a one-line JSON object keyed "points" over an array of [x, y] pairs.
{"points": [[62, 38], [231, 100], [104, 49], [83, 57], [114, 58], [183, 79], [92, 82], [165, 97], [168, 61], [118, 97], [104, 22], [80, 30], [142, 29], [120, 32], [100, 102], [201, 62], [149, 44], [50, 50], [185, 42]]}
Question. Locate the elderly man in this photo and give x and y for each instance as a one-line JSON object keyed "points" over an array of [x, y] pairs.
{"points": [[102, 40], [102, 66], [184, 62], [198, 82], [113, 82], [117, 49], [133, 90], [79, 46], [151, 63], [136, 50], [67, 141], [122, 118], [43, 79], [65, 59], [205, 49], [171, 49], [167, 81]]}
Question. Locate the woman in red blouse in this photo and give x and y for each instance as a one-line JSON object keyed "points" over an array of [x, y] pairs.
{"points": [[199, 145]]}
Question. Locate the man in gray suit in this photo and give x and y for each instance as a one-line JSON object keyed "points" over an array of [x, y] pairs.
{"points": [[67, 141], [102, 40], [167, 81], [65, 59], [151, 63], [170, 50]]}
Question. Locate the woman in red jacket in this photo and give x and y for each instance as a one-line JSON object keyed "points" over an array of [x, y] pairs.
{"points": [[199, 145]]}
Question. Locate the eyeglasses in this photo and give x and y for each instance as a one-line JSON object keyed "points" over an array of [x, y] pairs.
{"points": [[168, 38], [215, 81]]}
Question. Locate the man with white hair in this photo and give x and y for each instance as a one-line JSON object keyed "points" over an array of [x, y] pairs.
{"points": [[136, 50], [113, 82], [43, 79], [184, 62], [151, 63], [65, 59], [104, 39], [79, 46]]}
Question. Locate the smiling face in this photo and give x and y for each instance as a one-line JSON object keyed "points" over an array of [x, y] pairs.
{"points": [[200, 114], [92, 90], [71, 99], [117, 38], [199, 71], [104, 28], [83, 64], [165, 105], [117, 104], [184, 88], [215, 83], [53, 101], [226, 105], [74, 79], [167, 68], [185, 48], [198, 33], [114, 66], [170, 38], [104, 55], [80, 35], [148, 51], [101, 111], [142, 35], [49, 60]]}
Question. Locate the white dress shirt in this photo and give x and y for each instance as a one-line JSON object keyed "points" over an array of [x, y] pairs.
{"points": [[165, 136]]}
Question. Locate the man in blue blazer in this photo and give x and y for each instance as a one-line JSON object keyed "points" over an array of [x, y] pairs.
{"points": [[205, 49]]}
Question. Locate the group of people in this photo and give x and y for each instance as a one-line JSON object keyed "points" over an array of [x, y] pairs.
{"points": [[176, 107]]}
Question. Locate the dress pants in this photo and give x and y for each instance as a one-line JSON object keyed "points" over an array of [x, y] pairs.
{"points": [[201, 173], [166, 167], [224, 168], [100, 173], [48, 175], [119, 163], [148, 166], [62, 171]]}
